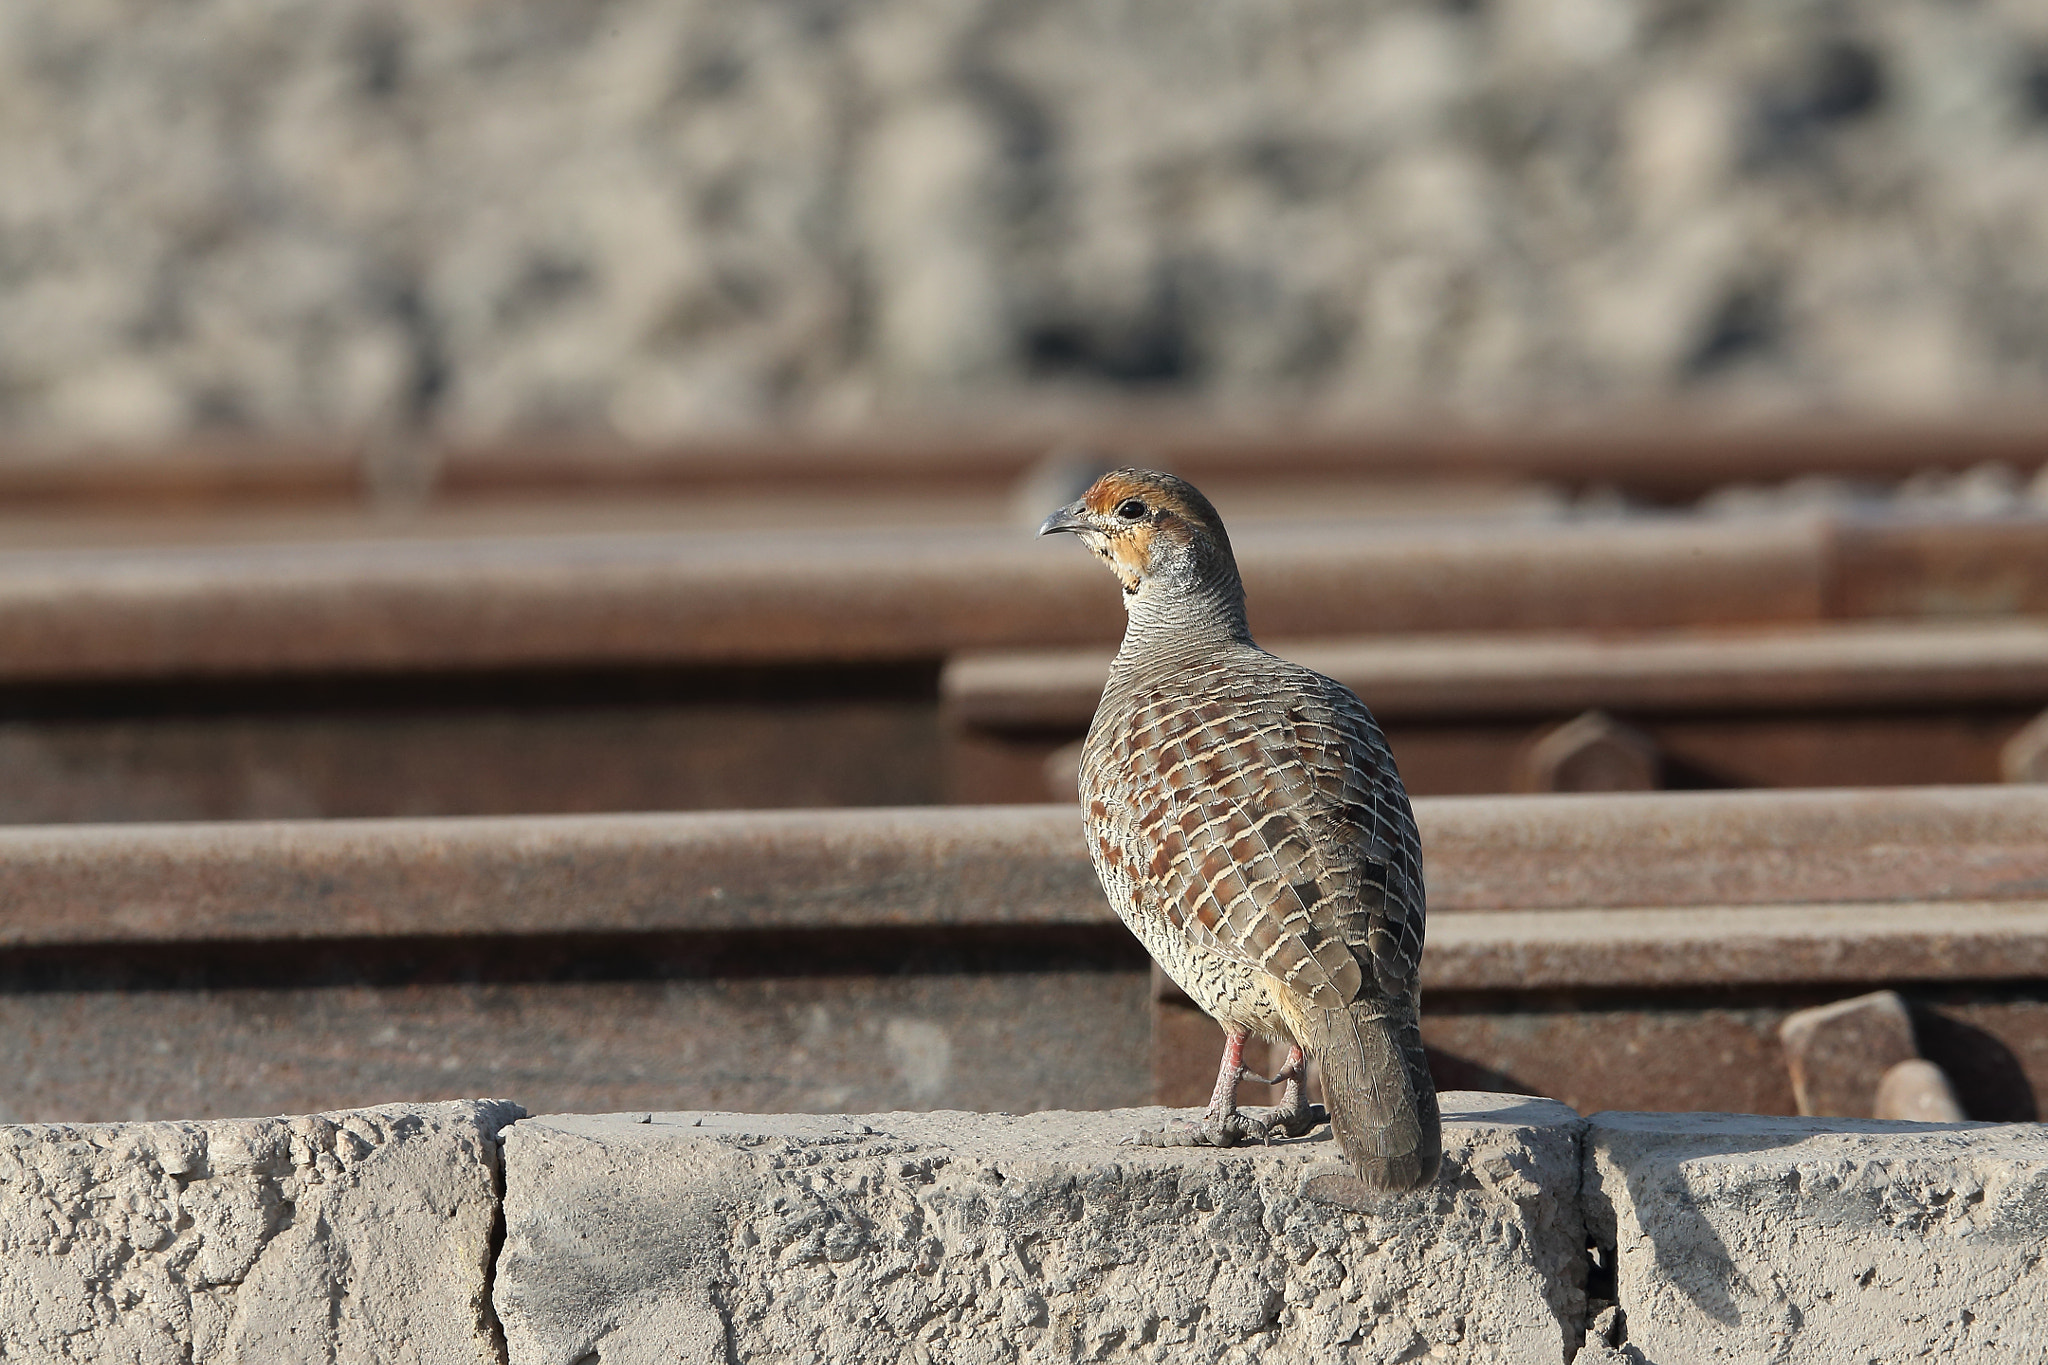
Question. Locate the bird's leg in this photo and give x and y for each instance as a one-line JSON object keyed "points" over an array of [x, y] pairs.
{"points": [[1223, 1099], [1294, 1115], [1221, 1124]]}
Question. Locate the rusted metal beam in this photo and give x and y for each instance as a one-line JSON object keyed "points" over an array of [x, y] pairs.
{"points": [[1660, 461], [730, 598], [1735, 848], [479, 744], [1666, 461], [1922, 566], [1615, 889], [760, 1024], [735, 597], [1839, 1054], [1533, 673], [1935, 940], [958, 957], [714, 872], [1824, 704]]}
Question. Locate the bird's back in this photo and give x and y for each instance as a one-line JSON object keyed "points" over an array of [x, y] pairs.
{"points": [[1249, 824], [1250, 805]]}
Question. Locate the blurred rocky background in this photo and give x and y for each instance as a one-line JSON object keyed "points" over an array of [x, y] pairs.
{"points": [[660, 218]]}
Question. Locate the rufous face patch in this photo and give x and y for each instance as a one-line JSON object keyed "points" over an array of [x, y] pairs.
{"points": [[1131, 511]]}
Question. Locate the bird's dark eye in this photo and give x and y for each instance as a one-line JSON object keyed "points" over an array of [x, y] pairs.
{"points": [[1131, 509]]}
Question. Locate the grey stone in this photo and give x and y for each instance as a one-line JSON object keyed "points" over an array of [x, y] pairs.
{"points": [[947, 1237], [1751, 1239], [662, 217], [363, 1235]]}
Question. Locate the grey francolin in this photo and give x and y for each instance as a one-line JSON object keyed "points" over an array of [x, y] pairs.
{"points": [[1247, 822]]}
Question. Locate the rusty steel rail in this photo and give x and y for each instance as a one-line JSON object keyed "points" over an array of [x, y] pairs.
{"points": [[1665, 461], [1532, 673], [1608, 950], [738, 598], [1838, 703], [1525, 892]]}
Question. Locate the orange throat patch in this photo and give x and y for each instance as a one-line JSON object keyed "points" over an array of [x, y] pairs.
{"points": [[1125, 553]]}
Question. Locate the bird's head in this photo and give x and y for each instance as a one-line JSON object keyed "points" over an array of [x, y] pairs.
{"points": [[1158, 534]]}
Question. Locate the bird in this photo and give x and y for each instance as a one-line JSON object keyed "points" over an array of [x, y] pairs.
{"points": [[1248, 823]]}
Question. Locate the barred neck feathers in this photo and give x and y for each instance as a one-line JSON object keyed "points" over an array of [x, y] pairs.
{"points": [[1168, 549]]}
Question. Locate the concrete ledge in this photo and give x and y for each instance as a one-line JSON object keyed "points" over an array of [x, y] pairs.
{"points": [[355, 1236], [1740, 1238], [951, 1237], [956, 1237]]}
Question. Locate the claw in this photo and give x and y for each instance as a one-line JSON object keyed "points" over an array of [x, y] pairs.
{"points": [[1229, 1132], [1290, 1072]]}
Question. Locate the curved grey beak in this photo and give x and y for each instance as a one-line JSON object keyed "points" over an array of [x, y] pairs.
{"points": [[1068, 518]]}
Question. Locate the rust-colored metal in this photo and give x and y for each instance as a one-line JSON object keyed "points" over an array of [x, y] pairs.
{"points": [[1714, 1051], [218, 472], [1524, 891], [712, 872], [1823, 705], [1925, 567], [1592, 752], [738, 598], [2024, 757], [1658, 461], [1917, 1091], [1716, 1055], [1675, 946], [1671, 460], [891, 957], [742, 597], [1528, 673], [574, 1026], [1838, 1055], [1735, 848], [1945, 746], [500, 755]]}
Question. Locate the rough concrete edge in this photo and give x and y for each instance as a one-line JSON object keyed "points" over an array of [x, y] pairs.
{"points": [[481, 1121], [1596, 1201], [1568, 1122], [1575, 1127], [492, 1118]]}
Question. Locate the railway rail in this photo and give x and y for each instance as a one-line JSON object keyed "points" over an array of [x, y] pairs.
{"points": [[1631, 951], [1665, 462], [1868, 703], [728, 668]]}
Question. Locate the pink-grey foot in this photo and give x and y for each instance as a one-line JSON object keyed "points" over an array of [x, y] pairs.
{"points": [[1223, 1124], [1294, 1116]]}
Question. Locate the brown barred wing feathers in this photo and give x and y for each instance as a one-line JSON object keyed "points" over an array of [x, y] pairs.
{"points": [[1281, 870]]}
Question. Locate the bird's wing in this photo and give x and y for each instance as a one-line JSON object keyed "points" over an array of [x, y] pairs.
{"points": [[1269, 825]]}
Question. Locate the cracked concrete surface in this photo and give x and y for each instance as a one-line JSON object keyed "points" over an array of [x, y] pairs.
{"points": [[374, 1235], [967, 1237], [363, 1235], [1831, 1241]]}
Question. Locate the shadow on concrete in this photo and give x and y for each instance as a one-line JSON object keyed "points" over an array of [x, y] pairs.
{"points": [[1689, 1254], [1532, 1110]]}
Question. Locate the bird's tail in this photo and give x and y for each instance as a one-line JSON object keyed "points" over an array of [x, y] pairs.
{"points": [[1382, 1102]]}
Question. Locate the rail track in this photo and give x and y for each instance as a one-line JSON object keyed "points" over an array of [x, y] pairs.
{"points": [[731, 668], [488, 660], [1615, 951]]}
